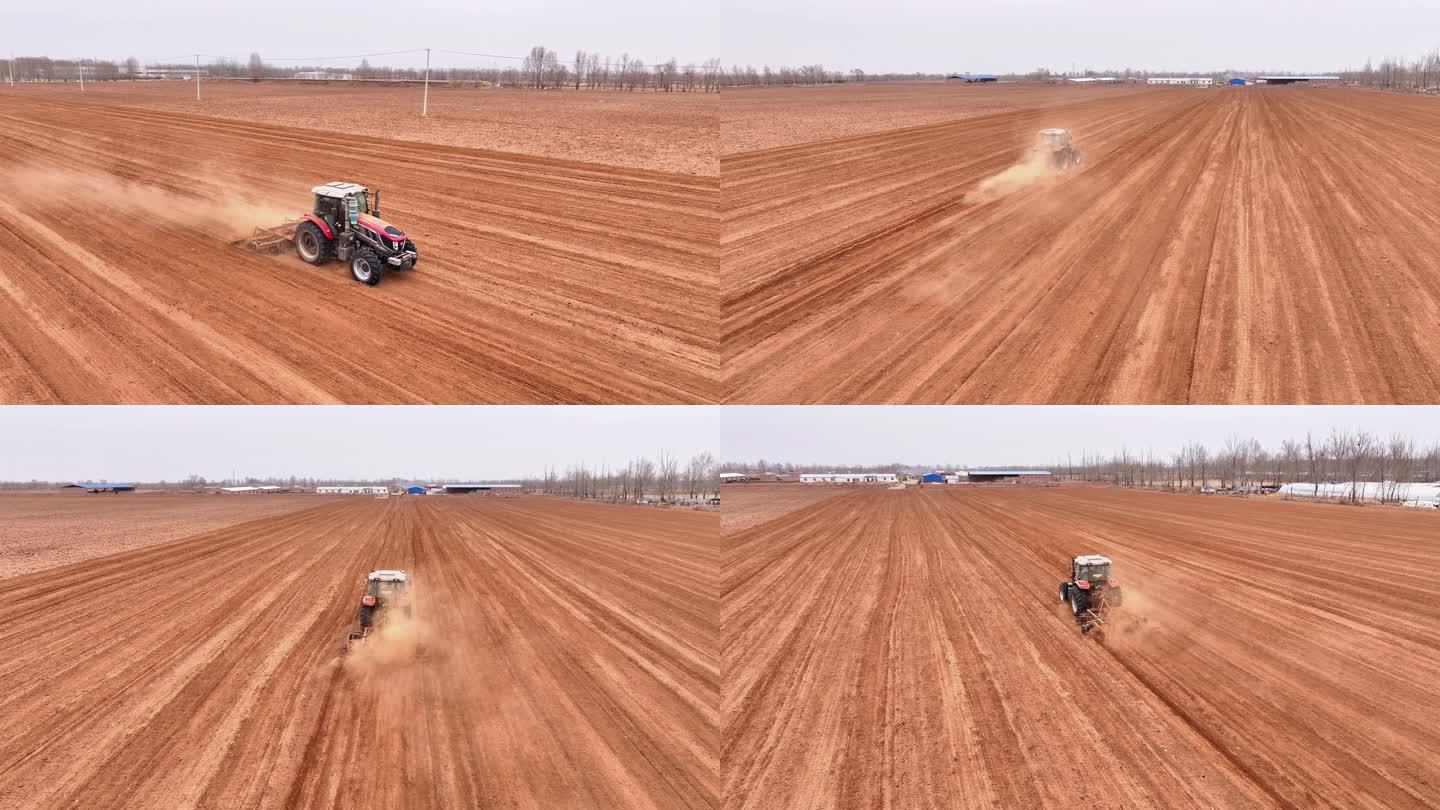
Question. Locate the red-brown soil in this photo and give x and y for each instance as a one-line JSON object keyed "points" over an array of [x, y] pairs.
{"points": [[750, 504], [572, 662], [540, 281], [907, 648], [1261, 244], [45, 530], [663, 132]]}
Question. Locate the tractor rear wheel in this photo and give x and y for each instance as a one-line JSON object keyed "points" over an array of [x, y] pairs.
{"points": [[367, 615], [1079, 601], [311, 244], [365, 267]]}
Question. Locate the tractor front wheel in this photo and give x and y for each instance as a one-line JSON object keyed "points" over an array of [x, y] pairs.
{"points": [[1064, 597], [311, 244], [365, 267]]}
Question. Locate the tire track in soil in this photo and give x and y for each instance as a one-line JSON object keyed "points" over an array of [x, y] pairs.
{"points": [[207, 671], [853, 270], [540, 281], [1223, 681]]}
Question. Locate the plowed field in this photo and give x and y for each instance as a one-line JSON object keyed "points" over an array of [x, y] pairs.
{"points": [[1257, 245], [907, 648], [571, 661], [541, 280]]}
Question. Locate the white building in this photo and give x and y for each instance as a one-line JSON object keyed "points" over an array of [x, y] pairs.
{"points": [[1417, 495], [848, 478], [352, 490], [1201, 80], [323, 76], [731, 478]]}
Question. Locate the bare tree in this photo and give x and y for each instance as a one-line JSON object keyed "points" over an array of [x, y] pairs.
{"points": [[666, 475], [257, 67]]}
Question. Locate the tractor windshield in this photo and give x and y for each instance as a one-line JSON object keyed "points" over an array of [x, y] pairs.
{"points": [[361, 205], [1093, 572]]}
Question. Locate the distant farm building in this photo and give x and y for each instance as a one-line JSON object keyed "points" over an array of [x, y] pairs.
{"points": [[973, 78], [265, 490], [933, 478], [100, 486], [323, 76], [1093, 79], [848, 478], [733, 478], [1299, 79], [352, 490], [1236, 82], [991, 476], [464, 489], [1191, 80], [415, 490]]}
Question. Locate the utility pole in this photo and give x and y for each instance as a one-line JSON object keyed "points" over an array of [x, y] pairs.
{"points": [[81, 63], [425, 104], [12, 68], [197, 77]]}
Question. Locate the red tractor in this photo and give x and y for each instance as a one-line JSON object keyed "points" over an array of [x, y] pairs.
{"points": [[1091, 592], [1057, 150], [385, 590], [345, 224]]}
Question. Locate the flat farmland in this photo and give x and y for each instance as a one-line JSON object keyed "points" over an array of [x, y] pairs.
{"points": [[746, 505], [907, 648], [571, 660], [1245, 245], [46, 530], [541, 279]]}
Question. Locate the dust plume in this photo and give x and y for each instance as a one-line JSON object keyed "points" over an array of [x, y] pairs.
{"points": [[1033, 170], [214, 206], [397, 642]]}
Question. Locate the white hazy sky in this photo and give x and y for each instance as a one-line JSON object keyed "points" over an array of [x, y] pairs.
{"points": [[140, 443], [903, 35], [1002, 434]]}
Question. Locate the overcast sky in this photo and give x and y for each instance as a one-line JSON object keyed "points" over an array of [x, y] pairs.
{"points": [[136, 443], [903, 35], [987, 435]]}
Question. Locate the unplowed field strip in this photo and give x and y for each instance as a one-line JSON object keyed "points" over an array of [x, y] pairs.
{"points": [[907, 648], [572, 662], [540, 281], [1258, 245]]}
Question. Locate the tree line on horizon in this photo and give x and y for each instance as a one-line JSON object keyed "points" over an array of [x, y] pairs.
{"points": [[541, 69], [664, 477]]}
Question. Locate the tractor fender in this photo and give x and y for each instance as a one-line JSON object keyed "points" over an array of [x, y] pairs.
{"points": [[322, 225], [1083, 585]]}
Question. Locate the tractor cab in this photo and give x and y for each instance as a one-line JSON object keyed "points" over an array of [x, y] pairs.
{"points": [[341, 204], [1090, 568], [1053, 139], [386, 583]]}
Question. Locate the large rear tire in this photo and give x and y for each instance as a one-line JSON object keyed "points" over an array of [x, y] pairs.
{"points": [[367, 615], [311, 245], [1079, 601], [365, 267]]}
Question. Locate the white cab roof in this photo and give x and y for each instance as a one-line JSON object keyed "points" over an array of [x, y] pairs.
{"points": [[1092, 559], [337, 189], [1053, 131], [387, 575]]}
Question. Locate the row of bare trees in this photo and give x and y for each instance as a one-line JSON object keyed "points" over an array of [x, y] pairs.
{"points": [[664, 479], [1399, 74], [1341, 457], [542, 68]]}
